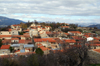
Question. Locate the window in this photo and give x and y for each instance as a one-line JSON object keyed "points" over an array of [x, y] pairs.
{"points": [[3, 52], [9, 32]]}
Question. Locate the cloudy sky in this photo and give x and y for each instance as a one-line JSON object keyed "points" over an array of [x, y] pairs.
{"points": [[70, 11]]}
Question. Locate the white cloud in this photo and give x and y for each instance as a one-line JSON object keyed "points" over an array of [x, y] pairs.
{"points": [[57, 7], [51, 7]]}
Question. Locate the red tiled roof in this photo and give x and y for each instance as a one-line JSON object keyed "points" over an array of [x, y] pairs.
{"points": [[28, 41], [17, 35], [16, 25], [1, 36], [70, 41], [6, 41], [17, 51], [44, 39], [39, 44], [95, 41], [9, 29], [37, 40], [75, 32], [71, 46], [77, 37], [48, 32], [65, 26], [97, 50], [26, 30], [39, 26], [25, 41], [93, 44], [67, 33], [96, 38], [14, 39], [26, 53], [87, 33], [86, 36], [21, 41], [33, 28], [44, 48], [5, 47], [26, 35], [6, 56]]}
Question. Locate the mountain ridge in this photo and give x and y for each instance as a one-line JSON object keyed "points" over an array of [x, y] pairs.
{"points": [[96, 25], [9, 21]]}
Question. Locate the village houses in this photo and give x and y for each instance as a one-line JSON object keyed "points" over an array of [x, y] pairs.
{"points": [[37, 36]]}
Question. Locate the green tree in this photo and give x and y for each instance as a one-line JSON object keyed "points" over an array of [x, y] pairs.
{"points": [[39, 51], [35, 21], [93, 31], [80, 30], [11, 49], [1, 43], [9, 62], [24, 26], [20, 33], [33, 60], [95, 28], [74, 26]]}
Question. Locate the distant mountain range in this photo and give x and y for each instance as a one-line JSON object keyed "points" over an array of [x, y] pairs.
{"points": [[4, 21], [89, 25], [97, 25]]}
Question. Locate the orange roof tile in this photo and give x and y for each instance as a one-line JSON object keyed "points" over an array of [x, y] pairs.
{"points": [[6, 56], [86, 36], [44, 39], [75, 32], [71, 46], [93, 44], [39, 44], [26, 30], [67, 33], [70, 41], [39, 26], [48, 32], [17, 51], [26, 35], [64, 26], [9, 29], [96, 38], [77, 37], [44, 48], [5, 47], [22, 41], [33, 28], [16, 36], [16, 25], [6, 41], [1, 36], [26, 53], [97, 50], [14, 39], [87, 33]]}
